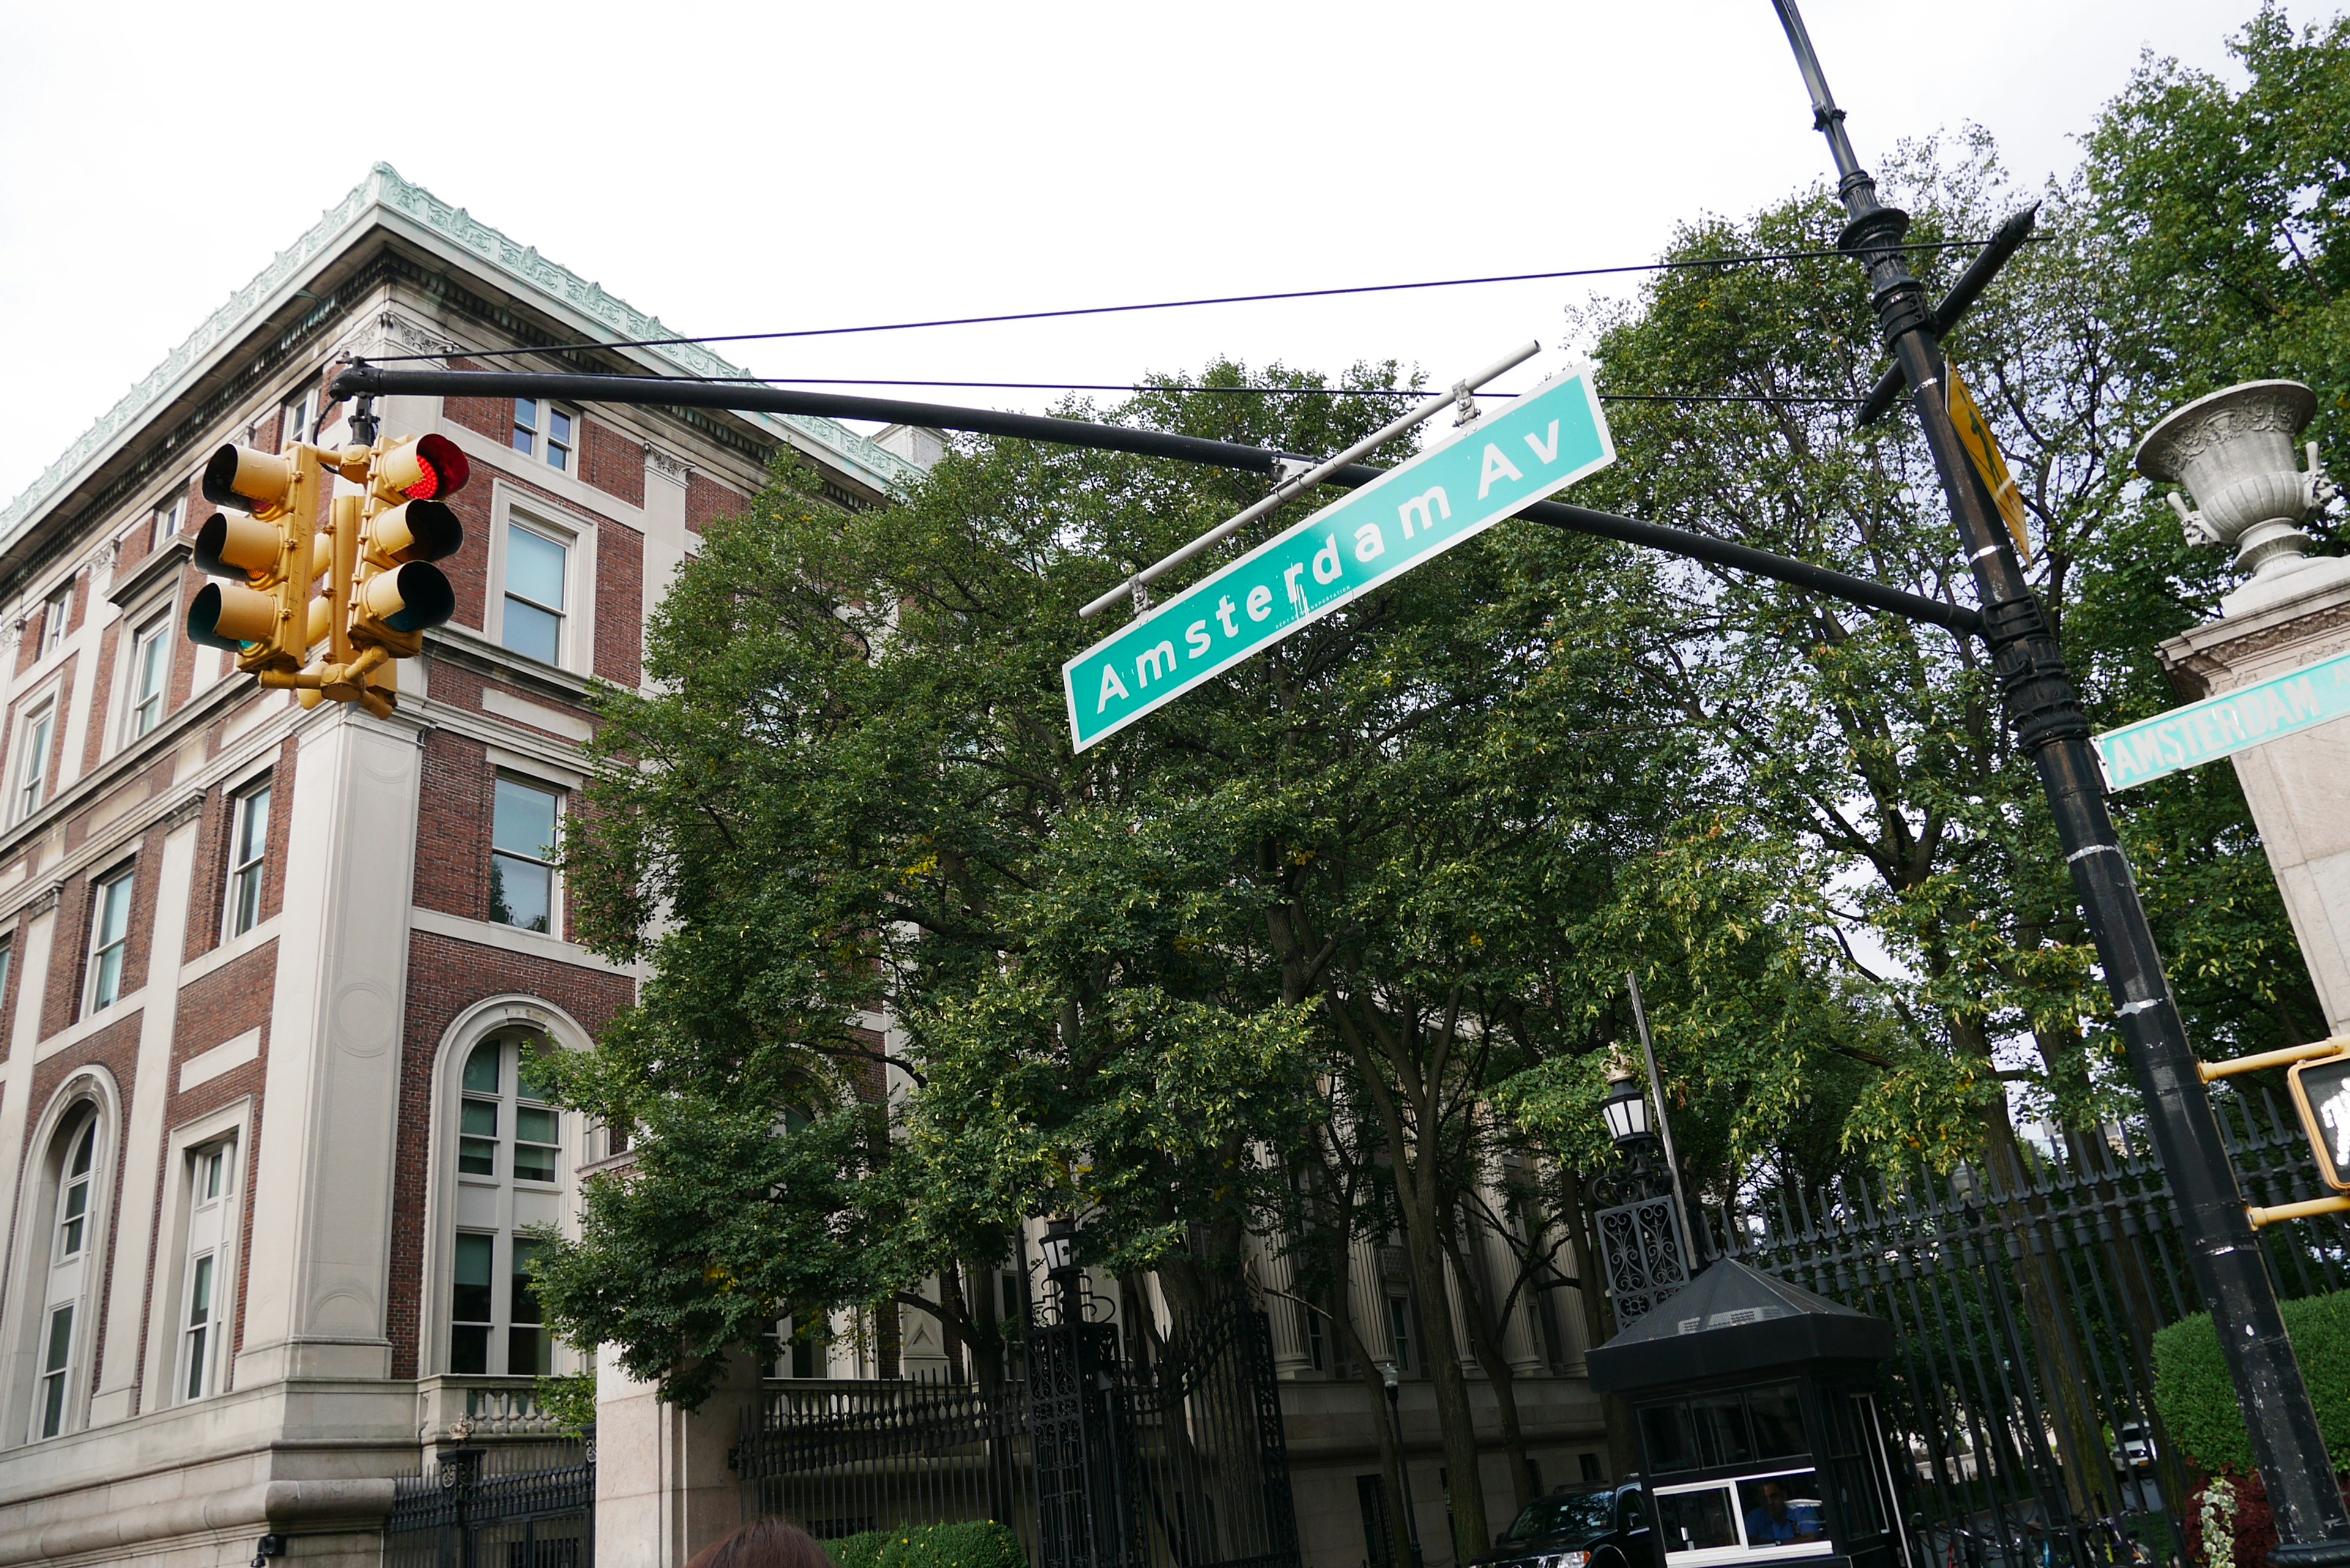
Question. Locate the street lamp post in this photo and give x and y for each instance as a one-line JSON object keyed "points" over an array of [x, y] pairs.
{"points": [[2043, 705], [1392, 1376]]}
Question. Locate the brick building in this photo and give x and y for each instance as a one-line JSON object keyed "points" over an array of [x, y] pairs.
{"points": [[265, 1150]]}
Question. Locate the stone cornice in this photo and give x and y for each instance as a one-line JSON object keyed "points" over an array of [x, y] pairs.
{"points": [[2206, 659], [383, 190]]}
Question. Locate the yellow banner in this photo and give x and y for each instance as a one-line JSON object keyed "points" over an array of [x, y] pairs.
{"points": [[1974, 432]]}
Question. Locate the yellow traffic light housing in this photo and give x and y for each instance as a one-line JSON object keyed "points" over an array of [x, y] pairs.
{"points": [[396, 594], [265, 621], [381, 592]]}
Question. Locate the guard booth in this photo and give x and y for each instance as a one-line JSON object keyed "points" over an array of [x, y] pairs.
{"points": [[1755, 1405]]}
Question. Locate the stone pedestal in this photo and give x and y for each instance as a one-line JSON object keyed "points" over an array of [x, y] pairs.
{"points": [[2298, 787]]}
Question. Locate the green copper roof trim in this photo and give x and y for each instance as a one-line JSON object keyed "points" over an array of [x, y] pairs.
{"points": [[384, 188]]}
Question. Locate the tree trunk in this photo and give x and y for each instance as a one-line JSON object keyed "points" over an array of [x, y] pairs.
{"points": [[1485, 1343]]}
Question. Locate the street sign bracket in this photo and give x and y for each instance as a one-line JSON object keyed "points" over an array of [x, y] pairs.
{"points": [[1290, 486]]}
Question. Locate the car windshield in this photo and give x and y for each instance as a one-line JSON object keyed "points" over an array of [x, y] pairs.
{"points": [[1574, 1513]]}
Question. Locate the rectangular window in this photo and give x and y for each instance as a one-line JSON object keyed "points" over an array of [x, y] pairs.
{"points": [[1697, 1520], [169, 520], [535, 599], [56, 1361], [1400, 1331], [205, 1271], [543, 430], [248, 849], [151, 664], [110, 939], [471, 1302], [33, 762], [528, 1349], [298, 420], [55, 612], [536, 1135], [522, 858]]}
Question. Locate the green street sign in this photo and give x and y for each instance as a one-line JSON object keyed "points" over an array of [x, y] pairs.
{"points": [[2219, 726], [1415, 512]]}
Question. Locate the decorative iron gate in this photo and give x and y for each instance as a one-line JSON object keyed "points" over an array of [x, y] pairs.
{"points": [[2025, 1302], [1098, 1457], [527, 1506]]}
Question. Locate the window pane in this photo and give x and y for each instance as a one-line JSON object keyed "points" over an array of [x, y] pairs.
{"points": [[529, 1351], [525, 821], [60, 1340], [1721, 1435], [535, 566], [532, 632], [558, 425], [526, 423], [200, 1291], [480, 1118], [253, 827], [482, 1069], [196, 1338], [475, 1158], [53, 1404], [1665, 1431], [1782, 1511], [470, 1297], [533, 1124], [522, 892], [526, 1081], [469, 1349], [534, 1162], [114, 910], [1778, 1422], [1696, 1521], [525, 1301], [84, 1150]]}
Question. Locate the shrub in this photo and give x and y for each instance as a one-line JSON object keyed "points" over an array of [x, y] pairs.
{"points": [[983, 1544], [2196, 1398]]}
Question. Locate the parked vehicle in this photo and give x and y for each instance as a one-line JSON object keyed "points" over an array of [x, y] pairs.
{"points": [[1587, 1526], [2133, 1448]]}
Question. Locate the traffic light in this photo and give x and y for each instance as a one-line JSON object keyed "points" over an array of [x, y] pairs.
{"points": [[266, 621], [396, 594]]}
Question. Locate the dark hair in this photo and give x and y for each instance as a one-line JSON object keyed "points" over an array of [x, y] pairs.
{"points": [[764, 1544]]}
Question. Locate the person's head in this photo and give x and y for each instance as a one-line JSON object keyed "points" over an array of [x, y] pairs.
{"points": [[764, 1544], [1774, 1498]]}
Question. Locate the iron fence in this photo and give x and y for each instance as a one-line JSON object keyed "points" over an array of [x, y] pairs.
{"points": [[2026, 1296], [525, 1505]]}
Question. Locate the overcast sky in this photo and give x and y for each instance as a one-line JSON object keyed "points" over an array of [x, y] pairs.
{"points": [[759, 167]]}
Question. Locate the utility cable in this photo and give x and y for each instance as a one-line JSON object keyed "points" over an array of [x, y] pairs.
{"points": [[1138, 387], [1190, 303]]}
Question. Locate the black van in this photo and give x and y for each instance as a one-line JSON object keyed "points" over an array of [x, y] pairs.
{"points": [[1587, 1526]]}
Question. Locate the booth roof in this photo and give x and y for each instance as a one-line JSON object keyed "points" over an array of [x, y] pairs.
{"points": [[1733, 1319]]}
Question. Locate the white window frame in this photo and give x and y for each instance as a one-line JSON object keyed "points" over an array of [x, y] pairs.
{"points": [[228, 1127], [568, 541], [56, 612], [44, 1280], [101, 894], [1743, 1552], [241, 800], [297, 418], [487, 1202], [168, 519], [152, 633], [28, 785], [210, 1177], [555, 920], [532, 433]]}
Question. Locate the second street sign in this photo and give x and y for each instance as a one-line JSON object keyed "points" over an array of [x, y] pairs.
{"points": [[1413, 513]]}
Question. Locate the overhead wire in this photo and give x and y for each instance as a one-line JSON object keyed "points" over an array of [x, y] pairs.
{"points": [[1682, 264], [1254, 391]]}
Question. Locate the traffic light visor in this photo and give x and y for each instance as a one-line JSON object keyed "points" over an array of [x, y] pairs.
{"points": [[222, 615], [408, 598], [230, 546], [419, 531], [247, 480], [425, 468]]}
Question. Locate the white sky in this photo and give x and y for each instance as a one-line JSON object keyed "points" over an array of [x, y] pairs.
{"points": [[734, 168]]}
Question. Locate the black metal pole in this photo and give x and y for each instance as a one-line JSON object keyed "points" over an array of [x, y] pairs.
{"points": [[1403, 1471], [2044, 708]]}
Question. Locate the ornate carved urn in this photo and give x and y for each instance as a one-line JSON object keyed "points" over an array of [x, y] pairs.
{"points": [[2233, 449]]}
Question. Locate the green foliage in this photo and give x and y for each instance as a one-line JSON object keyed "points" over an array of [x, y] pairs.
{"points": [[570, 1398], [2196, 1398], [983, 1544]]}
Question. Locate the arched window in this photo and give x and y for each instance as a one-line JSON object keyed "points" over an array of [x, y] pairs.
{"points": [[511, 1174], [72, 1237]]}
